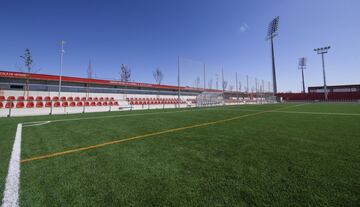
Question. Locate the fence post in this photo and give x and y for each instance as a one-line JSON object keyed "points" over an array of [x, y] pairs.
{"points": [[11, 103], [51, 107], [83, 107]]}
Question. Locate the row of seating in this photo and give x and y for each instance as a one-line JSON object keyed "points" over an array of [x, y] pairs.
{"points": [[153, 101], [150, 99], [55, 98], [193, 101], [40, 104]]}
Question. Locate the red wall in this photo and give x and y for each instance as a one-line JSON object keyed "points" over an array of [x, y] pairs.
{"points": [[335, 96]]}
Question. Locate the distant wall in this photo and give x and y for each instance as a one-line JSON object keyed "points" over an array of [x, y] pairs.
{"points": [[332, 96]]}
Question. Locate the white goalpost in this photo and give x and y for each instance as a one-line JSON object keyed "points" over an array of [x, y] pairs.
{"points": [[206, 99]]}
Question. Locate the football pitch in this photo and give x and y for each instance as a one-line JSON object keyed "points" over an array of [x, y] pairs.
{"points": [[249, 155]]}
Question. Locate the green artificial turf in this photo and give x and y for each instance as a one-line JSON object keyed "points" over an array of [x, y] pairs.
{"points": [[263, 159]]}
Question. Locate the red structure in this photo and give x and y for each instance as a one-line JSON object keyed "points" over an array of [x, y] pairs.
{"points": [[332, 96]]}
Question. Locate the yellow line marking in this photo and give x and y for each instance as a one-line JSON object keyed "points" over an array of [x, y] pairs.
{"points": [[141, 137]]}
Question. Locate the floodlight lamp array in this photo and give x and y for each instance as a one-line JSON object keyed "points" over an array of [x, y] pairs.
{"points": [[273, 28], [302, 63], [322, 50]]}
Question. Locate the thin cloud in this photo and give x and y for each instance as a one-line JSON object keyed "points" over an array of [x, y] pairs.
{"points": [[244, 27]]}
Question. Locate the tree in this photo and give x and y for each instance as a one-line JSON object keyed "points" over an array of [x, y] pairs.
{"points": [[90, 71], [125, 73], [210, 82], [224, 85], [231, 87], [158, 75], [197, 82], [28, 62]]}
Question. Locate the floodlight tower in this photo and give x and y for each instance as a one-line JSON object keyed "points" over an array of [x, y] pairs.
{"points": [[321, 51], [271, 34], [302, 66]]}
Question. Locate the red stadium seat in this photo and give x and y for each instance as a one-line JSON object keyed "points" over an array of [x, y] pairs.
{"points": [[55, 98], [48, 104], [1, 105], [112, 99], [30, 104], [79, 104], [98, 104], [65, 104], [39, 98], [21, 98], [86, 103], [11, 98], [116, 103], [63, 98], [9, 105], [70, 98], [30, 98], [104, 103], [47, 98], [101, 99], [39, 104], [83, 98], [106, 99], [90, 99], [96, 99], [72, 104], [20, 104], [93, 104], [57, 104], [77, 99], [111, 103], [2, 98]]}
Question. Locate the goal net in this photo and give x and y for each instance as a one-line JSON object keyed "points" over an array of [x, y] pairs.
{"points": [[210, 99]]}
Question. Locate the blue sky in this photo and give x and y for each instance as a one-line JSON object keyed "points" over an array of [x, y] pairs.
{"points": [[146, 34]]}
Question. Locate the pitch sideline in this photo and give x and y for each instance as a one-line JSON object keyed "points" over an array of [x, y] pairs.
{"points": [[11, 193], [291, 112]]}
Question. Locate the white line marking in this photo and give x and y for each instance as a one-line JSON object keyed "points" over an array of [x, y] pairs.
{"points": [[11, 193], [36, 124], [296, 112], [121, 115], [319, 113], [128, 115]]}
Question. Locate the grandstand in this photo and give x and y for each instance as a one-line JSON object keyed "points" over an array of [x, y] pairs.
{"points": [[38, 94]]}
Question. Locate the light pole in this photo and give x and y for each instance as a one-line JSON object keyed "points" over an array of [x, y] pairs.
{"points": [[237, 89], [61, 65], [302, 66], [217, 81], [272, 33], [321, 51], [204, 77], [178, 71]]}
